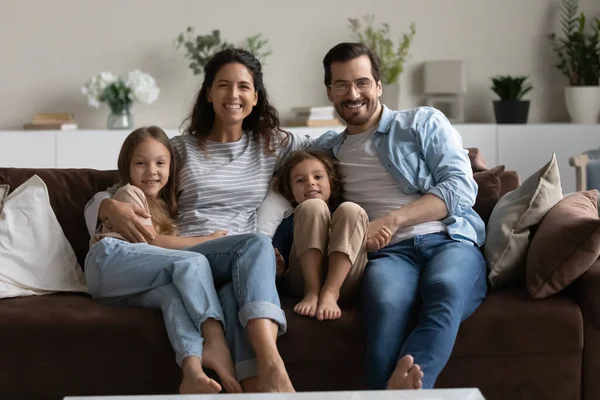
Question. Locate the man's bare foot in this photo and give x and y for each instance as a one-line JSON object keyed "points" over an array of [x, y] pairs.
{"points": [[328, 307], [195, 380], [308, 305], [216, 356], [407, 375], [273, 377]]}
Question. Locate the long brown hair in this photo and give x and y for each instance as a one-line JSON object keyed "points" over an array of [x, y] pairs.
{"points": [[263, 121], [282, 180], [163, 208]]}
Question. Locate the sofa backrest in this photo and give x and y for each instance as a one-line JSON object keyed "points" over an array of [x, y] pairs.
{"points": [[69, 191]]}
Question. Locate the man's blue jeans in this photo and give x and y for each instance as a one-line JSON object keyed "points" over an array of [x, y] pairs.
{"points": [[415, 294]]}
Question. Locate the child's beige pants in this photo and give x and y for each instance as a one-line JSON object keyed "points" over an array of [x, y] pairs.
{"points": [[344, 231]]}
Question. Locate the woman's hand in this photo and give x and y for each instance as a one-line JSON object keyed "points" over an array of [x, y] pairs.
{"points": [[126, 220], [379, 240]]}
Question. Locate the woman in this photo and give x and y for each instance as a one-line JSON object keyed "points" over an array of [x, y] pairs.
{"points": [[226, 159]]}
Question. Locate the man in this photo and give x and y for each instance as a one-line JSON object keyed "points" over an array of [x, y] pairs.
{"points": [[408, 170]]}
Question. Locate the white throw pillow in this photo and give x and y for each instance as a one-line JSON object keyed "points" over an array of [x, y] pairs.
{"points": [[35, 256], [271, 212]]}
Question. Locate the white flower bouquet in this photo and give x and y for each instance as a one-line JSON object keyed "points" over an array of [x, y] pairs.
{"points": [[120, 92]]}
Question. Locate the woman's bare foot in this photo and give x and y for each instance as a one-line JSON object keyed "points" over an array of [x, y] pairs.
{"points": [[328, 307], [407, 375], [273, 377], [195, 380], [216, 355], [308, 305]]}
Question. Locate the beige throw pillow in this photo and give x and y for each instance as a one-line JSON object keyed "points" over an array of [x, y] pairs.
{"points": [[510, 224]]}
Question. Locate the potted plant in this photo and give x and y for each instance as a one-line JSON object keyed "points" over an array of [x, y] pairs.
{"points": [[120, 93], [199, 49], [392, 58], [511, 109], [578, 52]]}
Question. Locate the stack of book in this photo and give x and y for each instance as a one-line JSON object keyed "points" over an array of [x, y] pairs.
{"points": [[314, 117], [52, 121]]}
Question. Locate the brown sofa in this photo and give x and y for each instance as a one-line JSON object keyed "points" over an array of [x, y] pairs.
{"points": [[512, 347]]}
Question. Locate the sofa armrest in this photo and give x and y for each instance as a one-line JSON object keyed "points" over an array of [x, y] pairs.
{"points": [[586, 292]]}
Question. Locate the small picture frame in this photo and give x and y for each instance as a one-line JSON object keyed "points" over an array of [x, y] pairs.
{"points": [[3, 195]]}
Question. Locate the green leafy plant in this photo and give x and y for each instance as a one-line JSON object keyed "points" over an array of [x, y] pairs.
{"points": [[199, 49], [392, 58], [511, 88], [579, 49]]}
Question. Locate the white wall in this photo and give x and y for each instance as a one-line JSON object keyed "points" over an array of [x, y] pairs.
{"points": [[49, 48]]}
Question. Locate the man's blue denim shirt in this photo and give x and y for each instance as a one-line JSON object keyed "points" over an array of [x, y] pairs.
{"points": [[423, 152]]}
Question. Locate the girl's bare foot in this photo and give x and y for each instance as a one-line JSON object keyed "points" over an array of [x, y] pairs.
{"points": [[195, 380], [407, 375], [308, 305], [328, 307], [273, 377], [216, 355]]}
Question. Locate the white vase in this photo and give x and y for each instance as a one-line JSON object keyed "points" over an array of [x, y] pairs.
{"points": [[391, 96], [583, 104]]}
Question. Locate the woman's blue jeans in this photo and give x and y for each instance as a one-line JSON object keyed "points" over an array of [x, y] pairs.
{"points": [[182, 284]]}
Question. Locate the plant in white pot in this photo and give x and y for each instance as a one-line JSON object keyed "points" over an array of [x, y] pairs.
{"points": [[578, 53], [511, 108], [392, 58]]}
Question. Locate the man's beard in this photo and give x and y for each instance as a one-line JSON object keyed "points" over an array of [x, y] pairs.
{"points": [[355, 119]]}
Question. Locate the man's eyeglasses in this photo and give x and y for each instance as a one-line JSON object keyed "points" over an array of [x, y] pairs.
{"points": [[362, 85]]}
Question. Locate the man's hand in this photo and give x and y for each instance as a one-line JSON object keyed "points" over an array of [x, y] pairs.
{"points": [[125, 218], [379, 240], [280, 263]]}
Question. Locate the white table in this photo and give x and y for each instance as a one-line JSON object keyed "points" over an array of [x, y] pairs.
{"points": [[435, 394]]}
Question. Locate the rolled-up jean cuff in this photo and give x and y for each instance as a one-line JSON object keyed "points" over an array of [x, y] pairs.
{"points": [[245, 369], [263, 309], [189, 353]]}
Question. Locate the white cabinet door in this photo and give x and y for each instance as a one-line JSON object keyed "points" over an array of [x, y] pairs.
{"points": [[527, 148], [27, 149], [482, 136]]}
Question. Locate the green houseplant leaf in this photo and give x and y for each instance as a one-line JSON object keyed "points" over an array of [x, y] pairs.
{"points": [[578, 49], [199, 49], [392, 58], [511, 88]]}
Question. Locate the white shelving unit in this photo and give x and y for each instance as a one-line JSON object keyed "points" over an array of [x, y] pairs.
{"points": [[523, 148]]}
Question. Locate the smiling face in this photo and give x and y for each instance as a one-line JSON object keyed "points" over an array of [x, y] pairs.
{"points": [[232, 94], [358, 110], [150, 166], [309, 180]]}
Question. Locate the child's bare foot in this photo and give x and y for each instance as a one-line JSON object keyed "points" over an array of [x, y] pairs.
{"points": [[195, 380], [407, 375], [273, 377], [328, 307], [216, 356], [308, 305]]}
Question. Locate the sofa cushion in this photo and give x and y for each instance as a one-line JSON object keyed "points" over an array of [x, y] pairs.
{"points": [[69, 191], [488, 193], [565, 244], [510, 224], [477, 161]]}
